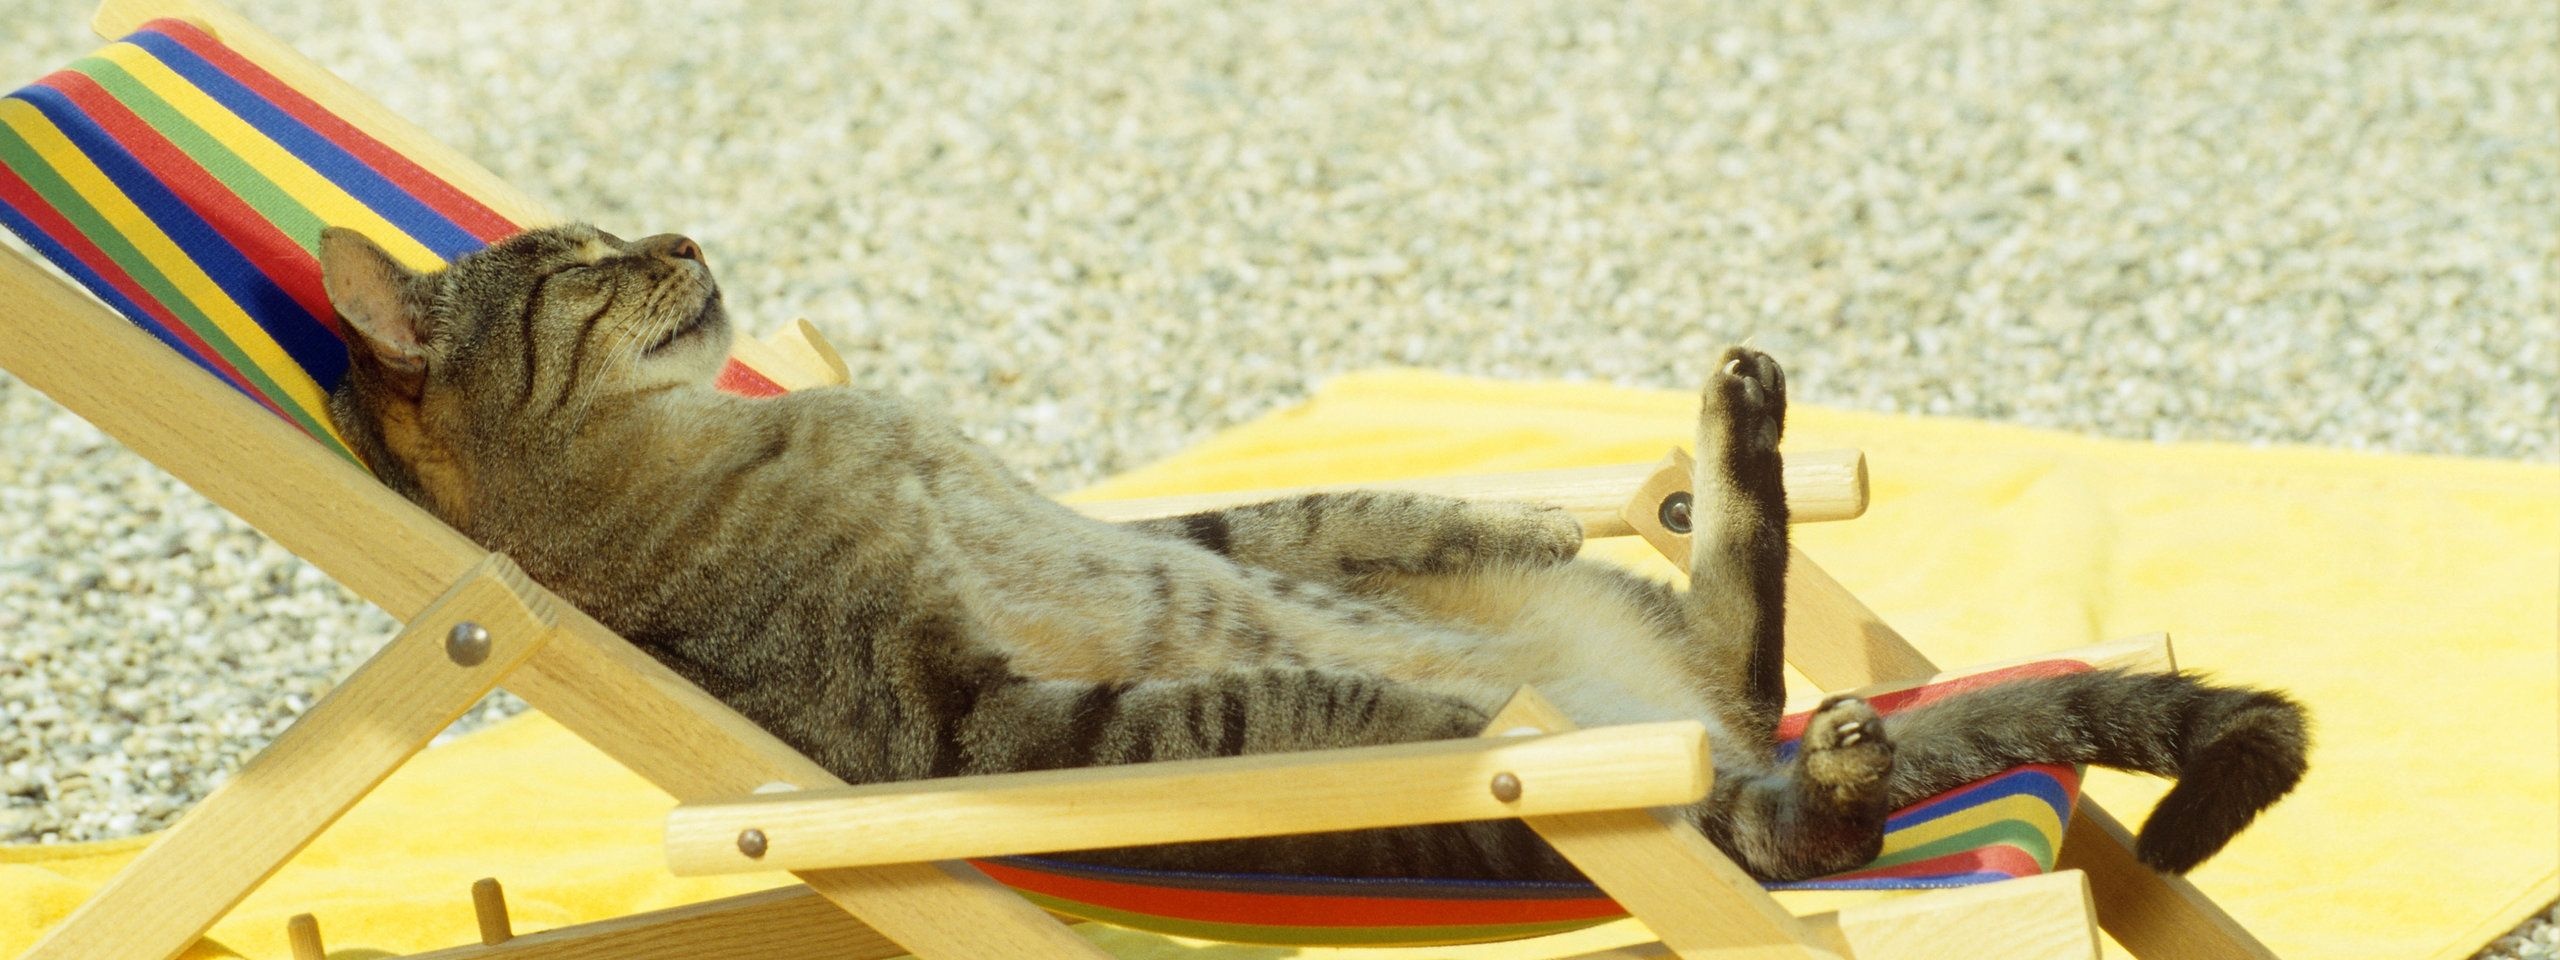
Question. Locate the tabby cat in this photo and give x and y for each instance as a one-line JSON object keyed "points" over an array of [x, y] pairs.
{"points": [[857, 577]]}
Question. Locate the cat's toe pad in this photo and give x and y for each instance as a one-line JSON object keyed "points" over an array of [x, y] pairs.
{"points": [[1746, 399], [1845, 749]]}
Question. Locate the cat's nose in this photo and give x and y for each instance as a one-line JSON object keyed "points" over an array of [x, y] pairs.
{"points": [[674, 245]]}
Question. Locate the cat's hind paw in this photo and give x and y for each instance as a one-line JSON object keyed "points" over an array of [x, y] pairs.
{"points": [[1741, 415], [1846, 756]]}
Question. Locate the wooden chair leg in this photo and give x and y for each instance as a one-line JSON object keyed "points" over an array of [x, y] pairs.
{"points": [[354, 737], [1664, 871], [675, 736], [2044, 917]]}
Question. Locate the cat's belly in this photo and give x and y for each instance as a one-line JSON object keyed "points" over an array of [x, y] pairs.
{"points": [[1570, 632]]}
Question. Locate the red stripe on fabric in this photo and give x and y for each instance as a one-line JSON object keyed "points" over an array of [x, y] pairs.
{"points": [[19, 195], [740, 379], [292, 267], [1298, 910], [1792, 726], [463, 209], [2000, 858]]}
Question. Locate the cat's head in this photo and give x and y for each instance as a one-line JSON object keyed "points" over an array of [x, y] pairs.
{"points": [[510, 343]]}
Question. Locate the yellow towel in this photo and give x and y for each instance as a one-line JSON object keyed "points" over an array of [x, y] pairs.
{"points": [[2414, 603]]}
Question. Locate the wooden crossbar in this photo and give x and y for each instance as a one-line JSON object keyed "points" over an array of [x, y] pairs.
{"points": [[1822, 485], [1182, 801]]}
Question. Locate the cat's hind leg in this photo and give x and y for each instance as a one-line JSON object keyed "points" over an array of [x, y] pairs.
{"points": [[1822, 812], [1737, 522]]}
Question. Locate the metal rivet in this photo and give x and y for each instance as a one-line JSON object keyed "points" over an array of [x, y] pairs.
{"points": [[1675, 512], [468, 644], [1506, 787], [751, 843]]}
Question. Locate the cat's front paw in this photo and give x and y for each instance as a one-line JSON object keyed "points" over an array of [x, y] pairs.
{"points": [[1745, 407], [1845, 753]]}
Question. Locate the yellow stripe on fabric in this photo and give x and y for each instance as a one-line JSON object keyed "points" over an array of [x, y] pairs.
{"points": [[2026, 808], [84, 177], [296, 178]]}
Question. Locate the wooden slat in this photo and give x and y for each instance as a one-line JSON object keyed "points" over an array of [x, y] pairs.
{"points": [[302, 936], [330, 758], [1821, 485], [1835, 640], [788, 923], [2045, 917], [2155, 915], [489, 908], [1697, 900], [1441, 781], [801, 341]]}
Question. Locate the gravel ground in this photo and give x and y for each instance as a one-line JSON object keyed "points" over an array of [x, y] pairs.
{"points": [[1099, 231]]}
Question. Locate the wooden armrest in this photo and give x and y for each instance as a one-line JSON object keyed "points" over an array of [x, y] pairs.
{"points": [[1821, 485], [1440, 781]]}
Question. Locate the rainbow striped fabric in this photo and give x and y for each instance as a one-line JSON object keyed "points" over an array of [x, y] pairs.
{"points": [[186, 187]]}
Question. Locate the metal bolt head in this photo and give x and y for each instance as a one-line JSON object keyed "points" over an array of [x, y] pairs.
{"points": [[1506, 787], [1675, 512], [468, 644], [751, 843]]}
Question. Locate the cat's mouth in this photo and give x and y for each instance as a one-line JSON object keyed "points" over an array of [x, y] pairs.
{"points": [[702, 321]]}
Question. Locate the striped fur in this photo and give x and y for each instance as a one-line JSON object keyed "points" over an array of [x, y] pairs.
{"points": [[851, 573]]}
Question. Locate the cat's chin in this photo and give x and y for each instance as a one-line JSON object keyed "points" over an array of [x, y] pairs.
{"points": [[706, 323]]}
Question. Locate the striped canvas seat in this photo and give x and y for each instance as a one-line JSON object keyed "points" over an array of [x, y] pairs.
{"points": [[186, 187]]}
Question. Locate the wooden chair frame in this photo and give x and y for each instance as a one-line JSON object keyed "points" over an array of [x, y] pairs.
{"points": [[1596, 787]]}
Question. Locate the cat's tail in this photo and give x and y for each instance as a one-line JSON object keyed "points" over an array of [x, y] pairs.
{"points": [[2234, 751]]}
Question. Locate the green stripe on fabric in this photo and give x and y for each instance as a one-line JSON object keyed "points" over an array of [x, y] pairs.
{"points": [[48, 183], [245, 181], [1239, 933], [2014, 833]]}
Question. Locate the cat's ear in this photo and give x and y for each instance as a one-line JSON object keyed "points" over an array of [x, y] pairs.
{"points": [[372, 292]]}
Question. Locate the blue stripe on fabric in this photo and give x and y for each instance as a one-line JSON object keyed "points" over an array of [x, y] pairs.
{"points": [[2018, 780], [1398, 888], [1939, 882], [352, 175], [320, 353], [61, 256]]}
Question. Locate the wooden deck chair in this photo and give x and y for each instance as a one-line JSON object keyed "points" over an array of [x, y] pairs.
{"points": [[181, 176]]}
